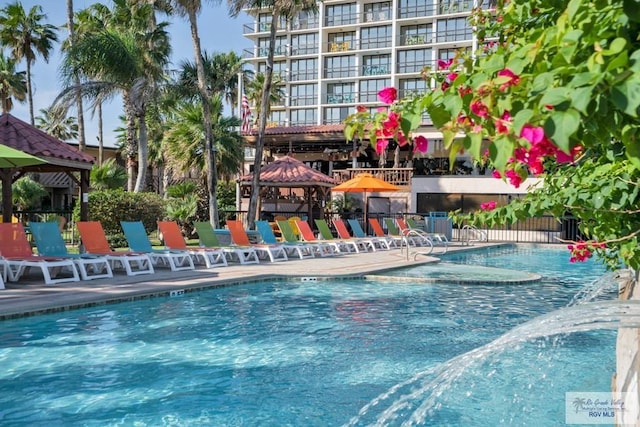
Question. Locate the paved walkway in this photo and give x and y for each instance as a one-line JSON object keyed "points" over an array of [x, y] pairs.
{"points": [[30, 296]]}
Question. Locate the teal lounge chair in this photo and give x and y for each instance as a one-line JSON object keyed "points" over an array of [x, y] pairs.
{"points": [[139, 241], [298, 249], [49, 242]]}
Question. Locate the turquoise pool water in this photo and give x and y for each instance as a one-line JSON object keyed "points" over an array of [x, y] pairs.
{"points": [[303, 353]]}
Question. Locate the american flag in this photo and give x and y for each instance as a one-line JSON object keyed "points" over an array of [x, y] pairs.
{"points": [[246, 115]]}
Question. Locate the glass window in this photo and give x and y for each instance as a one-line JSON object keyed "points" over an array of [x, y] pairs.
{"points": [[335, 114], [303, 95], [415, 8], [304, 69], [377, 11], [373, 65], [281, 46], [304, 44], [339, 66], [375, 37], [279, 69], [455, 6], [264, 22], [307, 116], [277, 118], [451, 30], [340, 14], [409, 87], [340, 93], [305, 20], [416, 34], [342, 42], [369, 89], [414, 60]]}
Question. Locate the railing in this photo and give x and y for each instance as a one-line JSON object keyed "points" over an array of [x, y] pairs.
{"points": [[396, 176]]}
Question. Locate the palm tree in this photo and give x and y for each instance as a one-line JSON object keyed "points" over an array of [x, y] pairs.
{"points": [[13, 84], [127, 57], [185, 139], [108, 176], [254, 93], [191, 9], [26, 36], [54, 122], [79, 107], [279, 9]]}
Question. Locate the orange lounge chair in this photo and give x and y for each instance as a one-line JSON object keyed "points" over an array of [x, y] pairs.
{"points": [[240, 237], [17, 252], [363, 244], [95, 242], [394, 241], [173, 239], [418, 237], [330, 248]]}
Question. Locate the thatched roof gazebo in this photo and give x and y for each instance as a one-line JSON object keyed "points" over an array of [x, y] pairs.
{"points": [[58, 155]]}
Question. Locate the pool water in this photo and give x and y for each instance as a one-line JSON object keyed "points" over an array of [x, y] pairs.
{"points": [[304, 353]]}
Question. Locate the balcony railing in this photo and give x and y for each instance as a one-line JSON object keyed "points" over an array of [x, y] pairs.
{"points": [[375, 70], [418, 39], [340, 98], [340, 46], [341, 72], [396, 176], [416, 11]]}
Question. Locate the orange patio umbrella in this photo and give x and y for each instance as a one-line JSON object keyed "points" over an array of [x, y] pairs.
{"points": [[365, 183]]}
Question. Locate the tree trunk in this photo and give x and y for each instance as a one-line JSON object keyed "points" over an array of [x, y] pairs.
{"points": [[262, 125], [210, 152], [82, 142], [100, 135], [143, 153], [130, 148], [29, 94]]}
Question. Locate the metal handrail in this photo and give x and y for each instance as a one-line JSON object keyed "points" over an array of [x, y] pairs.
{"points": [[468, 230]]}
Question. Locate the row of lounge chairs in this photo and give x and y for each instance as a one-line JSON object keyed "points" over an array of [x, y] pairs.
{"points": [[99, 261]]}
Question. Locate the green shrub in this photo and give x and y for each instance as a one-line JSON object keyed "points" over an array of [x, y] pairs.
{"points": [[112, 206]]}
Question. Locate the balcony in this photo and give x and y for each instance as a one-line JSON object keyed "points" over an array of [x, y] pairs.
{"points": [[412, 40], [396, 176], [344, 98], [375, 70], [377, 16], [416, 11], [339, 46]]}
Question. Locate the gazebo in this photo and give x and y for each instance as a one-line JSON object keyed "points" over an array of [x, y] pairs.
{"points": [[58, 155], [287, 172]]}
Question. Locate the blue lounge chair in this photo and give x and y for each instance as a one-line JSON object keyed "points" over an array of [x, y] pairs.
{"points": [[138, 241], [358, 232], [49, 242]]}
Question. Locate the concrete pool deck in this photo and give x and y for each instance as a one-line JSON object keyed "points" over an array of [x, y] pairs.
{"points": [[30, 296]]}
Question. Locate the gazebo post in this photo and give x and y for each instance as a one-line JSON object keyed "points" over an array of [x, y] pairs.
{"points": [[84, 194]]}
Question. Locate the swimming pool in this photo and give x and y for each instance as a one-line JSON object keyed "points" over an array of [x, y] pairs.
{"points": [[303, 353]]}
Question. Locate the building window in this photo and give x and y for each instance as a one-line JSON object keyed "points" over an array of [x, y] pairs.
{"points": [[304, 69], [304, 44], [277, 118], [339, 67], [342, 42], [303, 95], [414, 60], [416, 34], [374, 65], [340, 93], [281, 46], [375, 37], [369, 89], [279, 69], [453, 30], [377, 11], [335, 114], [264, 23], [455, 6], [410, 87], [447, 54], [307, 116], [305, 21], [415, 8], [340, 14]]}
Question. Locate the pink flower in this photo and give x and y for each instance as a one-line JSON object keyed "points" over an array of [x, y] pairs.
{"points": [[361, 109], [514, 178], [479, 109], [421, 144], [388, 95], [451, 77], [381, 145], [502, 124], [381, 109], [443, 65], [488, 206], [531, 134], [402, 140], [513, 79], [496, 174]]}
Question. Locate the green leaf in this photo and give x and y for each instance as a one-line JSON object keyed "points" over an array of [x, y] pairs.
{"points": [[555, 96], [349, 132], [581, 97], [476, 145], [626, 95], [616, 46], [620, 61], [560, 126], [439, 115], [494, 64], [521, 118], [453, 104], [447, 138], [542, 82], [631, 144]]}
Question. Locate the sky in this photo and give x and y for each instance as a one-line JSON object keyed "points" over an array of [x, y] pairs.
{"points": [[218, 34]]}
